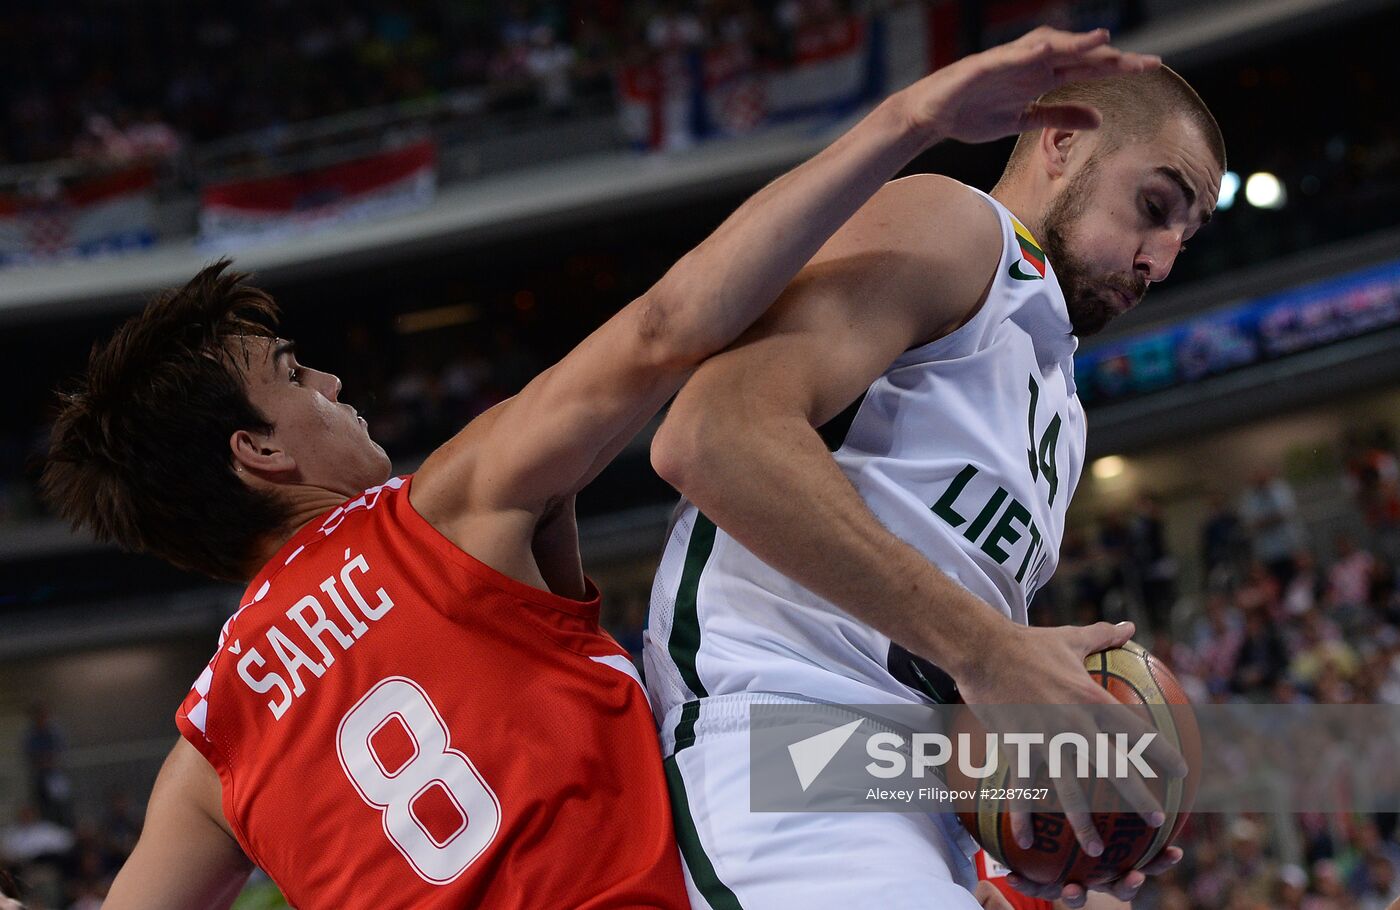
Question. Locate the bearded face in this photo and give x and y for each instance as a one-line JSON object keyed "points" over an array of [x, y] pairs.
{"points": [[1094, 294]]}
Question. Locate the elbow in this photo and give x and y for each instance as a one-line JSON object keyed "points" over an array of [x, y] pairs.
{"points": [[673, 453], [668, 332], [687, 445]]}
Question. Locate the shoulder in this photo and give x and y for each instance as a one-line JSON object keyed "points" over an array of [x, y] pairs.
{"points": [[919, 227], [925, 248], [943, 197], [936, 216]]}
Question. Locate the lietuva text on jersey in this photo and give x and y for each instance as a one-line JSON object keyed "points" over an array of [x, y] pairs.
{"points": [[1000, 520]]}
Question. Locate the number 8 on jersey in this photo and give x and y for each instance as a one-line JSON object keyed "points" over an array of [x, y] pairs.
{"points": [[437, 810]]}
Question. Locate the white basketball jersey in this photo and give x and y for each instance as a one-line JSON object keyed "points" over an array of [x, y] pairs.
{"points": [[968, 448]]}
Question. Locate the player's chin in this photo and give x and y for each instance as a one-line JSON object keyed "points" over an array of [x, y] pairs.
{"points": [[1090, 317], [384, 466]]}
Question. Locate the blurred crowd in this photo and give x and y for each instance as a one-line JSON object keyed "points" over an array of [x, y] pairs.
{"points": [[57, 857], [113, 81], [1271, 616]]}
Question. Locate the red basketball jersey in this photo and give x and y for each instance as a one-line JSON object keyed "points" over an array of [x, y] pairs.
{"points": [[397, 725], [989, 870]]}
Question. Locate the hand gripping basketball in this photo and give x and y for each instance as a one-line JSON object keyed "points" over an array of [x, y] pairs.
{"points": [[993, 94], [1038, 680]]}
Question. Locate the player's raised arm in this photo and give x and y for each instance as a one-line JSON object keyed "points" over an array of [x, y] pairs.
{"points": [[554, 436]]}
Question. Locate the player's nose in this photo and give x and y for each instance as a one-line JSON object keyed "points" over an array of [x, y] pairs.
{"points": [[1154, 261], [330, 386]]}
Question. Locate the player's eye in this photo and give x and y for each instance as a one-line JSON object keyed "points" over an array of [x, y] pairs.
{"points": [[294, 374], [1154, 211]]}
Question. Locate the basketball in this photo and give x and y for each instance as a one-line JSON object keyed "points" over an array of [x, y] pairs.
{"points": [[1134, 677]]}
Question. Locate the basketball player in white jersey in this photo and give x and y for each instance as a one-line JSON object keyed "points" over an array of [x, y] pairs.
{"points": [[876, 477], [503, 488]]}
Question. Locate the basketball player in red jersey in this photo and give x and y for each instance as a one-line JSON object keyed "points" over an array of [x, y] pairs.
{"points": [[415, 706]]}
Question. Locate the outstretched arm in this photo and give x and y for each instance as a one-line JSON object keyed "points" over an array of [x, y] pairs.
{"points": [[551, 439]]}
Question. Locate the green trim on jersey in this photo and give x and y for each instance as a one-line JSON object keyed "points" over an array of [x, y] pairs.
{"points": [[684, 643]]}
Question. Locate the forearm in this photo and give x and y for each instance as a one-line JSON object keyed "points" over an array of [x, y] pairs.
{"points": [[718, 289], [776, 489]]}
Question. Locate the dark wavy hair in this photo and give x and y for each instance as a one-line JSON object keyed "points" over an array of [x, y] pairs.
{"points": [[140, 448]]}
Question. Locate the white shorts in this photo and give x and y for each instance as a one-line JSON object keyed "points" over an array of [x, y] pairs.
{"points": [[736, 858]]}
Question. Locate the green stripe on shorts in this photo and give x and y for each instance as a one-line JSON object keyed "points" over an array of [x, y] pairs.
{"points": [[702, 871]]}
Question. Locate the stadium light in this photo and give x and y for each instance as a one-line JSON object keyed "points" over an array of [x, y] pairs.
{"points": [[1108, 467], [1264, 191], [1229, 186]]}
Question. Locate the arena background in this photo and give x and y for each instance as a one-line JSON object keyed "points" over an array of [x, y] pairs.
{"points": [[446, 196]]}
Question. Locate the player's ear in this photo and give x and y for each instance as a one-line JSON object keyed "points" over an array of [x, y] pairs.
{"points": [[259, 454], [1055, 146]]}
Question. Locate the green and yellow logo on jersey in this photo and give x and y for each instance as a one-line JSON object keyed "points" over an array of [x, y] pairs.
{"points": [[1031, 254]]}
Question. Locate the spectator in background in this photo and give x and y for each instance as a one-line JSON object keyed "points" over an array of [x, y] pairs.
{"points": [[1332, 687], [152, 139], [1270, 512], [1122, 579], [1260, 590], [1328, 890], [1375, 863], [1222, 537], [1373, 474], [1155, 567], [1216, 644], [43, 753], [1262, 657], [1379, 886], [550, 63], [1210, 880], [40, 850], [1291, 888], [1305, 587], [34, 839], [113, 143], [1320, 645], [1349, 582], [1252, 873]]}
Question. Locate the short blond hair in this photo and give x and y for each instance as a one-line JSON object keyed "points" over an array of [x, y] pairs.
{"points": [[1133, 108]]}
